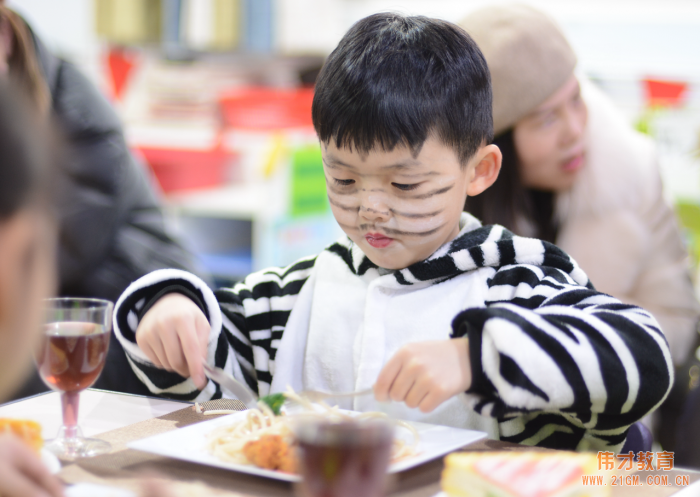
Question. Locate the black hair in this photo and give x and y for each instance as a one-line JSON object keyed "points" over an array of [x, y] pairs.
{"points": [[509, 203], [395, 80], [23, 152]]}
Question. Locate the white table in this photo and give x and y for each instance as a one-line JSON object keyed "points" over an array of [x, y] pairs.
{"points": [[99, 410]]}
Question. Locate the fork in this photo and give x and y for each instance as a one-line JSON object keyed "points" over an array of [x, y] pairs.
{"points": [[317, 395], [233, 386]]}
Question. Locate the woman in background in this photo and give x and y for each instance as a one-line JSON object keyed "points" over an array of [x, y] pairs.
{"points": [[111, 227], [27, 275], [575, 174]]}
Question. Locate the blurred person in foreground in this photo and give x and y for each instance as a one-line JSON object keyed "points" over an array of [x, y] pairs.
{"points": [[459, 323], [27, 275], [111, 227], [576, 174]]}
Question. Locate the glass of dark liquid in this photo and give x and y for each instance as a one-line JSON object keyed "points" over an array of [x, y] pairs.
{"points": [[70, 357], [344, 459]]}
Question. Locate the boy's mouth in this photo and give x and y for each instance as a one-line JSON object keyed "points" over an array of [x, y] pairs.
{"points": [[377, 240]]}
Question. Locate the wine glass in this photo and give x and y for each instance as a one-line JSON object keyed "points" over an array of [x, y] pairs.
{"points": [[70, 358]]}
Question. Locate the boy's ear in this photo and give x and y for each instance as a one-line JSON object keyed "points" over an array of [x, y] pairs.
{"points": [[488, 164]]}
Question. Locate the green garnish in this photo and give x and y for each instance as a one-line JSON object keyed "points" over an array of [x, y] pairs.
{"points": [[274, 402]]}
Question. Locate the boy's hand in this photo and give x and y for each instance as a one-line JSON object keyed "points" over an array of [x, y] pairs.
{"points": [[426, 374], [22, 474], [174, 334]]}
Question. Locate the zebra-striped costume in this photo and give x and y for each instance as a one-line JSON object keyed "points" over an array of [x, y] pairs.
{"points": [[554, 362]]}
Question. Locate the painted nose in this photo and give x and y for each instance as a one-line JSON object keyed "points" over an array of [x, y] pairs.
{"points": [[373, 207]]}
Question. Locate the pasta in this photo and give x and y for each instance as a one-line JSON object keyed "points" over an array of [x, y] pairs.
{"points": [[234, 443]]}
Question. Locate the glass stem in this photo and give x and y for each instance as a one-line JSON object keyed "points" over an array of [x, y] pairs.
{"points": [[69, 404]]}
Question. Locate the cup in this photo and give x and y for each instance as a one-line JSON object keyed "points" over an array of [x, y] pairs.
{"points": [[344, 459], [70, 357]]}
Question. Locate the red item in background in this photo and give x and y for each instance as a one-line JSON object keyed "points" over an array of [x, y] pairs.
{"points": [[660, 93], [186, 169], [120, 63], [267, 108], [259, 109]]}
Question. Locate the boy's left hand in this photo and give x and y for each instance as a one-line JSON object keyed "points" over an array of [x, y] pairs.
{"points": [[426, 374]]}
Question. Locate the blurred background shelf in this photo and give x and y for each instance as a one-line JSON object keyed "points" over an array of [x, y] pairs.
{"points": [[242, 187]]}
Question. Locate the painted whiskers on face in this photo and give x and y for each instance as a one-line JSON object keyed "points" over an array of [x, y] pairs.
{"points": [[437, 191], [412, 215], [390, 213], [373, 228], [394, 232], [397, 205], [341, 206], [409, 215]]}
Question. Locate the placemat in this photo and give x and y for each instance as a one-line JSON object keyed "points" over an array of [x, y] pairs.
{"points": [[222, 405]]}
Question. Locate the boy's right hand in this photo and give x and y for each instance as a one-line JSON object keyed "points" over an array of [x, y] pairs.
{"points": [[174, 334]]}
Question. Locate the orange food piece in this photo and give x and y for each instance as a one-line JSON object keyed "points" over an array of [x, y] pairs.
{"points": [[28, 431], [271, 452]]}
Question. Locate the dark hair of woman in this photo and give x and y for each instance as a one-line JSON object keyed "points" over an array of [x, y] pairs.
{"points": [[508, 202], [24, 66], [25, 142]]}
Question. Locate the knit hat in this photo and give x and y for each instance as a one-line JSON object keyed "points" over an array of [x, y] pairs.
{"points": [[528, 57]]}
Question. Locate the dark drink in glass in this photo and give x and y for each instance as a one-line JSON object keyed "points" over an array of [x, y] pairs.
{"points": [[70, 357], [344, 459]]}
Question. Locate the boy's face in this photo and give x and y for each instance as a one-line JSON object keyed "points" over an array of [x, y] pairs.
{"points": [[396, 207]]}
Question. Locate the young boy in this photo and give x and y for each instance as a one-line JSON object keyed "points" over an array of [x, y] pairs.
{"points": [[458, 323]]}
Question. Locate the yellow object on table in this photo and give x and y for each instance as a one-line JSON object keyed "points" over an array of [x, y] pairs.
{"points": [[523, 474], [27, 430]]}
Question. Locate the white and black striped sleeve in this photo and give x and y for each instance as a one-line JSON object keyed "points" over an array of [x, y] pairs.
{"points": [[255, 314], [247, 322], [133, 304], [559, 364]]}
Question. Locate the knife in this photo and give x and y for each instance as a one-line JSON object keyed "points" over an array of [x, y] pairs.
{"points": [[232, 386]]}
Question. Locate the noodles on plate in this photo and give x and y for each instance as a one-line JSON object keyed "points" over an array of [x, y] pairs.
{"points": [[232, 443]]}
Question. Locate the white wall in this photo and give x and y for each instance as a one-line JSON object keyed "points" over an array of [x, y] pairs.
{"points": [[627, 38], [622, 38]]}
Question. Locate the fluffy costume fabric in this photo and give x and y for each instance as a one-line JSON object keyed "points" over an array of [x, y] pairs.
{"points": [[554, 363]]}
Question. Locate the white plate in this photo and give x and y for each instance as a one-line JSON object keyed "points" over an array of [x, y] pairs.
{"points": [[189, 444], [50, 461], [92, 490]]}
